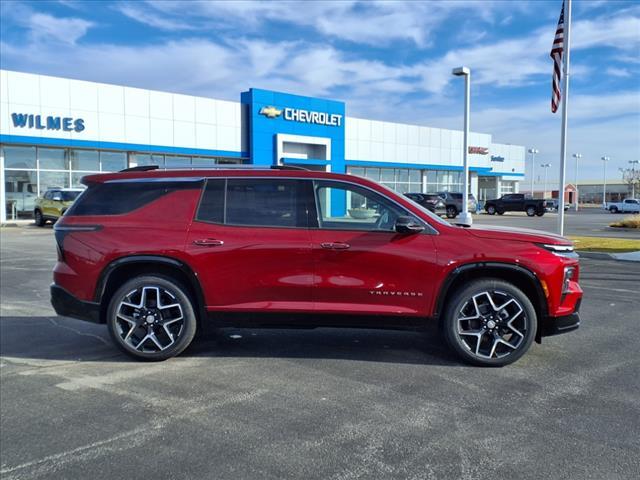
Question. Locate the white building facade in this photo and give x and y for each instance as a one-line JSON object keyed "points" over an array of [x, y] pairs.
{"points": [[53, 131]]}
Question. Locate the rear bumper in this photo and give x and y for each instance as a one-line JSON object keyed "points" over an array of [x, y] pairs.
{"points": [[556, 325], [67, 305]]}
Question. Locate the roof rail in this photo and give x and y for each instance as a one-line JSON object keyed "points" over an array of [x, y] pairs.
{"points": [[288, 167], [141, 168], [231, 166]]}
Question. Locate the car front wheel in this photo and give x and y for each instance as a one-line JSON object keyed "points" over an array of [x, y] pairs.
{"points": [[489, 323], [614, 210], [452, 212], [491, 210], [531, 211], [151, 318]]}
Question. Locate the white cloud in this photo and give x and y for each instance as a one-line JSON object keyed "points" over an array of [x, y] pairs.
{"points": [[65, 30], [618, 72], [374, 22], [148, 17]]}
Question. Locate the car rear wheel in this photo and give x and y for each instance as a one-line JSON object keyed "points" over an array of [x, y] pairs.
{"points": [[490, 323], [151, 318], [491, 210], [613, 209], [540, 213], [452, 212], [39, 219], [531, 211]]}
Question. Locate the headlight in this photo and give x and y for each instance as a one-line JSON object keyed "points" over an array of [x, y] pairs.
{"points": [[562, 250]]}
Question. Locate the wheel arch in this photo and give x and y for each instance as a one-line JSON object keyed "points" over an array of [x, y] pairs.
{"points": [[123, 268], [520, 276]]}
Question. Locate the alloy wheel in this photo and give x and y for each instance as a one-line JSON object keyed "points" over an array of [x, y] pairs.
{"points": [[149, 319], [492, 324]]}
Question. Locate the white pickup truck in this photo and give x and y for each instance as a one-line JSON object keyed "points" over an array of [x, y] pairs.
{"points": [[629, 205]]}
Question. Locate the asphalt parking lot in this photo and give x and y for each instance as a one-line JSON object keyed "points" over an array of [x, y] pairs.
{"points": [[318, 404], [589, 222]]}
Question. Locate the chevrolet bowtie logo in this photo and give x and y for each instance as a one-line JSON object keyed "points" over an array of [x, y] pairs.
{"points": [[270, 112]]}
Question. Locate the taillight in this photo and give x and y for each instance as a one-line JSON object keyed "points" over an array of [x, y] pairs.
{"points": [[61, 230]]}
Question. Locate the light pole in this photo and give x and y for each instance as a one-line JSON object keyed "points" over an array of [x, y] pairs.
{"points": [[577, 156], [533, 152], [545, 166], [633, 177], [604, 159], [465, 216]]}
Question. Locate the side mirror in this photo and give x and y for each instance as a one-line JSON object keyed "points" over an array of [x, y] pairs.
{"points": [[408, 225]]}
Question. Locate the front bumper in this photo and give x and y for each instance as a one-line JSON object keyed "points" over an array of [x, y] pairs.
{"points": [[65, 304], [556, 325]]}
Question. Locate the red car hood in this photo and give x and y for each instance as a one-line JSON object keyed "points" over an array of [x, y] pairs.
{"points": [[517, 234]]}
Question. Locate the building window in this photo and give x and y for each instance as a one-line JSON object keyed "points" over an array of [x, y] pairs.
{"points": [[507, 187], [21, 191], [53, 179], [20, 157], [53, 158], [85, 160], [401, 180], [113, 161], [444, 181]]}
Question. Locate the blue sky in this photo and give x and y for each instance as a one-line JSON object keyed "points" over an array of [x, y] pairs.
{"points": [[387, 60]]}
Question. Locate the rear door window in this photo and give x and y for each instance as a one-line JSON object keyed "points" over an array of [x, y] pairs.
{"points": [[257, 202], [271, 202]]}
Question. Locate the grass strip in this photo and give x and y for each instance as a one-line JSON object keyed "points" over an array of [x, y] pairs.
{"points": [[605, 244]]}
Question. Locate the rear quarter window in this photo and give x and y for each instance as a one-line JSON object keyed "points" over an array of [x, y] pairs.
{"points": [[117, 198]]}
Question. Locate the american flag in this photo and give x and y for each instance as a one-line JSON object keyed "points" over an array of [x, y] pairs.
{"points": [[556, 55]]}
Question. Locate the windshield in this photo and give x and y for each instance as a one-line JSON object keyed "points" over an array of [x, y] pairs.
{"points": [[70, 196]]}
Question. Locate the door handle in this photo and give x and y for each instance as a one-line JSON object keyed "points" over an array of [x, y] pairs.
{"points": [[335, 245], [208, 242]]}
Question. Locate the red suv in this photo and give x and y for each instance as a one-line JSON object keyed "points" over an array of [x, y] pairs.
{"points": [[156, 254]]}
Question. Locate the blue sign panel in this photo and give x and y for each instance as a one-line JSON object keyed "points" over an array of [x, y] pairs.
{"points": [[270, 113]]}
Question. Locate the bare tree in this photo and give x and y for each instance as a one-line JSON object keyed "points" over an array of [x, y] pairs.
{"points": [[631, 177]]}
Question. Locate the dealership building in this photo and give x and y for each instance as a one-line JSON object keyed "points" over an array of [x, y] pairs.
{"points": [[53, 131]]}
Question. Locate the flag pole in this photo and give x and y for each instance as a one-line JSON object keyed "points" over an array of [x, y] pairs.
{"points": [[565, 99]]}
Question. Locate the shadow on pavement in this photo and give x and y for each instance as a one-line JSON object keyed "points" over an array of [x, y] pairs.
{"points": [[63, 339]]}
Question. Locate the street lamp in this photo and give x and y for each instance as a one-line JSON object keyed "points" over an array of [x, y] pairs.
{"points": [[633, 177], [533, 152], [465, 216], [545, 166], [604, 159], [577, 156]]}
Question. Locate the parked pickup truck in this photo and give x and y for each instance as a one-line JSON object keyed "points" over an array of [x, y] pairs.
{"points": [[628, 205], [515, 202]]}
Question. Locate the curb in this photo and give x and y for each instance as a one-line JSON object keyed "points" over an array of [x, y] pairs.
{"points": [[604, 256]]}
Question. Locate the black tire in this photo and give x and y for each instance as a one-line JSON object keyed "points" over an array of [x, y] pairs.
{"points": [[168, 288], [613, 209], [39, 219], [540, 213], [531, 211], [462, 300], [452, 212], [491, 209]]}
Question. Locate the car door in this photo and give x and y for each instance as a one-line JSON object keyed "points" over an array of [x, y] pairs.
{"points": [[49, 204], [251, 246], [362, 265]]}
